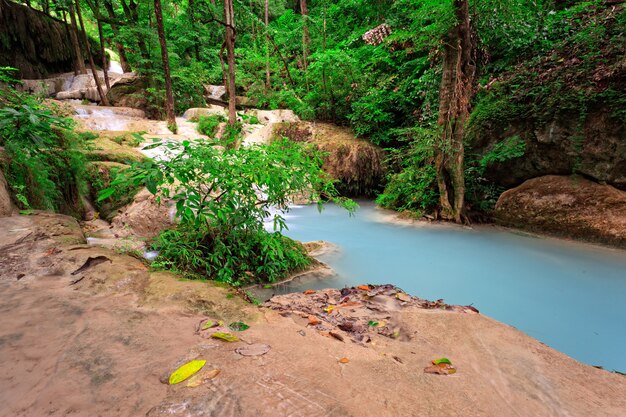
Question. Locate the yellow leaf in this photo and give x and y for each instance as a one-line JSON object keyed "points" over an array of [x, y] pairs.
{"points": [[329, 309], [186, 371], [227, 337]]}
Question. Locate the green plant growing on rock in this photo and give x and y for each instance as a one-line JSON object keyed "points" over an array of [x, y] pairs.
{"points": [[42, 158], [223, 198], [207, 125]]}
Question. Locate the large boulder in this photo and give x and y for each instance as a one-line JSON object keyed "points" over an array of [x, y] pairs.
{"points": [[6, 206], [566, 206], [129, 91], [145, 217]]}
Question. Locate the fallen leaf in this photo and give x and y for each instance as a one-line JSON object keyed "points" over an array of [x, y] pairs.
{"points": [[314, 321], [446, 369], [208, 324], [372, 323], [238, 326], [202, 377], [349, 304], [309, 292], [255, 349], [185, 371], [364, 287], [441, 360], [336, 336], [329, 309], [227, 337], [344, 360], [403, 297]]}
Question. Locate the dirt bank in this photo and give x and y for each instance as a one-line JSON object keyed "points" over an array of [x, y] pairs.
{"points": [[83, 337]]}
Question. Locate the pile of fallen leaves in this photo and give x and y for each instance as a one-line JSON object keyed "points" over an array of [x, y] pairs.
{"points": [[356, 312]]}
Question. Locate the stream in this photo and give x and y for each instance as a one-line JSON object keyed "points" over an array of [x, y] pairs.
{"points": [[568, 295]]}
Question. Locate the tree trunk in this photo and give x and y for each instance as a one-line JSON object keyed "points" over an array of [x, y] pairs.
{"points": [[105, 70], [229, 40], [80, 62], [268, 84], [454, 107], [120, 48], [305, 33], [103, 97], [169, 96], [192, 17]]}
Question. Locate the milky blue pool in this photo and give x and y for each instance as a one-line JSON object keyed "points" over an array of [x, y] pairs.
{"points": [[570, 296]]}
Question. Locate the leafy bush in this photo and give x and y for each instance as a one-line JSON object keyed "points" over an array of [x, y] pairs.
{"points": [[223, 197], [207, 125], [414, 187], [43, 161]]}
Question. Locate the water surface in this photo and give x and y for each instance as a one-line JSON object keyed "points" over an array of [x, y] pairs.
{"points": [[570, 296]]}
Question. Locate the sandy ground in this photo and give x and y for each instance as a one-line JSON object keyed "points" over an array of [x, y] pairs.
{"points": [[99, 342]]}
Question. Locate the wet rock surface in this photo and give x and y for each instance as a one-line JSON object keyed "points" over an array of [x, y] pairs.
{"points": [[6, 205], [566, 206], [101, 341]]}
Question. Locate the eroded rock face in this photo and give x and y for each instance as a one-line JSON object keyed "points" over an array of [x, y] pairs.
{"points": [[596, 149], [566, 206], [144, 217], [6, 206]]}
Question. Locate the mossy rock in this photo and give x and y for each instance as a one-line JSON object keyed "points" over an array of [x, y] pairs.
{"points": [[106, 150], [99, 176]]}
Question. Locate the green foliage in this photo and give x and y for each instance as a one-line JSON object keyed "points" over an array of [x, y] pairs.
{"points": [[414, 187], [510, 148], [223, 197], [42, 159], [207, 125]]}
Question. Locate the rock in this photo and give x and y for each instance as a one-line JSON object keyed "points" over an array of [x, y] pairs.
{"points": [[274, 116], [144, 217], [357, 164], [195, 113], [566, 206], [129, 91], [104, 149], [216, 92], [597, 149], [6, 205]]}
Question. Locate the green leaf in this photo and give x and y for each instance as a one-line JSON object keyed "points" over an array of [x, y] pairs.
{"points": [[372, 323], [185, 371], [238, 326], [442, 360], [227, 337], [208, 324], [106, 193]]}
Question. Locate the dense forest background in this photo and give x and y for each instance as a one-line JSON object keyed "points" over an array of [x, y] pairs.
{"points": [[458, 92]]}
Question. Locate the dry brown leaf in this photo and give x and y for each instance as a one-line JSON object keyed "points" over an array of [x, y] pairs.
{"points": [[336, 336], [314, 321], [344, 360], [364, 287], [309, 292], [349, 304], [202, 378]]}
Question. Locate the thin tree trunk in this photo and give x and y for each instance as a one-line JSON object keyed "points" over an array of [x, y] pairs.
{"points": [[454, 106], [305, 33], [105, 70], [169, 96], [230, 55], [192, 18], [268, 84], [103, 97], [80, 62], [121, 51]]}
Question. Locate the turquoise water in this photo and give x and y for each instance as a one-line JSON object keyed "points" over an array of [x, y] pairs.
{"points": [[570, 296]]}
